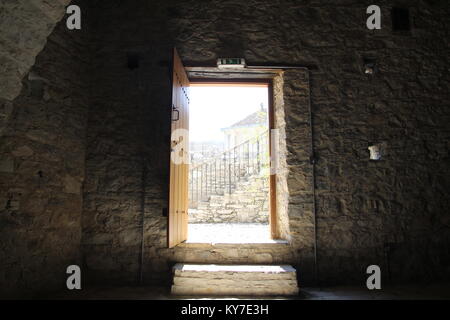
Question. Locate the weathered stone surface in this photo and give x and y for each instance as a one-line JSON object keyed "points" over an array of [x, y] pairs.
{"points": [[248, 203], [363, 204], [190, 279], [7, 165], [22, 151], [5, 112], [392, 212], [25, 27], [72, 185], [40, 200]]}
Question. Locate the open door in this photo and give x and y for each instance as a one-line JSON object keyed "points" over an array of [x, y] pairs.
{"points": [[179, 157]]}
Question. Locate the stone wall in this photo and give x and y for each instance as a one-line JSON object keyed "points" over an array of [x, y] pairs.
{"points": [[391, 212], [42, 153], [25, 26], [127, 156], [248, 203]]}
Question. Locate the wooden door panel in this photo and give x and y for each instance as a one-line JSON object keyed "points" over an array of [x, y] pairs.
{"points": [[179, 169]]}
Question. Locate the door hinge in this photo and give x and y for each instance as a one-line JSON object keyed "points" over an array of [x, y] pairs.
{"points": [[174, 109]]}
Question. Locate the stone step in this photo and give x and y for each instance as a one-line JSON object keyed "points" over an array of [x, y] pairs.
{"points": [[194, 282], [212, 279], [234, 291]]}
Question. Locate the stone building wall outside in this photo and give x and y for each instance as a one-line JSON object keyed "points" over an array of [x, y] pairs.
{"points": [[248, 203]]}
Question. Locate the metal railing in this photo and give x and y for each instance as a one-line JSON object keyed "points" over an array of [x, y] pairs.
{"points": [[221, 175]]}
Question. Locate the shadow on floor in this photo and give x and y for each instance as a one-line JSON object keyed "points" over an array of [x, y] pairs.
{"points": [[403, 292]]}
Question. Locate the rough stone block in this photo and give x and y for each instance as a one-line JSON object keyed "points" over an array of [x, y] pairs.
{"points": [[255, 280], [7, 165]]}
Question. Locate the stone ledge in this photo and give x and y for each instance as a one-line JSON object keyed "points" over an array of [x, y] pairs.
{"points": [[227, 245], [232, 279], [233, 268]]}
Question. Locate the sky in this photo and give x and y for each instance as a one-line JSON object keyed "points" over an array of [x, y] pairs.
{"points": [[213, 108]]}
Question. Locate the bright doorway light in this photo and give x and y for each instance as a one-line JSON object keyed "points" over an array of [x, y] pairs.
{"points": [[229, 170]]}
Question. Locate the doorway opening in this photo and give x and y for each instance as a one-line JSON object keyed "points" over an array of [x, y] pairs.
{"points": [[229, 172], [243, 158]]}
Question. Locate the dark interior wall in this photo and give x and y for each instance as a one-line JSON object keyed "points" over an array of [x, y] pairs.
{"points": [[63, 170], [127, 157], [42, 156], [393, 212]]}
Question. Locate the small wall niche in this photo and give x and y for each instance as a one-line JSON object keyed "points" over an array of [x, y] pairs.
{"points": [[133, 61], [400, 19], [369, 65], [36, 85], [377, 151]]}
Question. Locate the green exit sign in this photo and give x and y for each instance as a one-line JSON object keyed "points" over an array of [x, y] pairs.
{"points": [[231, 62]]}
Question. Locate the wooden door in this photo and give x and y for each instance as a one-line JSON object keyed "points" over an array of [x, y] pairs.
{"points": [[179, 160]]}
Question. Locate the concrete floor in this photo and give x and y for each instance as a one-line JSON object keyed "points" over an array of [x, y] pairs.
{"points": [[403, 292], [228, 233]]}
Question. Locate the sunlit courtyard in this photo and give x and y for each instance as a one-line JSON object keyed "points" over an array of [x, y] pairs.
{"points": [[229, 233], [229, 160]]}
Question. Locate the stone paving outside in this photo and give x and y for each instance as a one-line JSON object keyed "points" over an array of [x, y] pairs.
{"points": [[229, 233]]}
